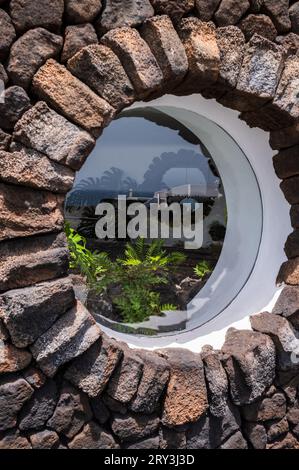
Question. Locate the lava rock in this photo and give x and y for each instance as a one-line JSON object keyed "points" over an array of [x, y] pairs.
{"points": [[84, 11], [292, 245], [295, 216], [16, 102], [39, 408], [30, 168], [230, 12], [13, 440], [93, 437], [136, 58], [119, 13], [100, 410], [286, 162], [7, 34], [67, 339], [28, 313], [34, 377], [13, 359], [44, 130], [172, 439], [167, 48], [92, 371], [44, 440], [72, 98], [133, 427], [77, 37], [235, 442], [200, 42], [288, 305], [206, 8], [186, 395], [151, 443], [287, 442], [256, 435], [101, 70], [3, 74], [250, 364], [290, 43], [124, 382], [217, 382], [29, 53], [28, 14], [14, 392], [258, 24], [266, 409], [5, 140], [152, 384], [276, 430], [175, 9], [278, 10], [32, 260], [289, 271], [294, 17], [71, 413], [286, 100]]}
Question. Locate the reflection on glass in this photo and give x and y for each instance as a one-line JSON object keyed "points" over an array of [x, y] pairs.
{"points": [[150, 158]]}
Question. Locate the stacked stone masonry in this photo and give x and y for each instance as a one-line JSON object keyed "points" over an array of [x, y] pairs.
{"points": [[69, 67]]}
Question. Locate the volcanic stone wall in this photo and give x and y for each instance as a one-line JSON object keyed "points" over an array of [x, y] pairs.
{"points": [[69, 67]]}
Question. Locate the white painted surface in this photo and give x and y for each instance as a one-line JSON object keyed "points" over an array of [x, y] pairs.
{"points": [[260, 291]]}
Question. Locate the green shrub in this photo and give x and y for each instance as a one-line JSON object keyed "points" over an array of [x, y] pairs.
{"points": [[202, 269]]}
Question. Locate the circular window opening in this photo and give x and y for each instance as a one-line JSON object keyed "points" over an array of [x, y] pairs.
{"points": [[159, 237]]}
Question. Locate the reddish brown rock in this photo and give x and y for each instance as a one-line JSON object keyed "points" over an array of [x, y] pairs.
{"points": [[101, 70], [33, 169], [200, 42], [286, 162], [249, 360], [289, 272], [230, 12], [28, 313], [136, 58], [258, 24], [290, 189], [288, 305], [267, 409], [133, 427], [276, 430], [206, 8], [256, 435], [269, 118], [175, 9], [13, 359], [278, 10], [287, 442], [166, 46], [47, 132], [28, 14], [289, 42], [32, 260], [5, 140], [259, 76], [7, 34], [186, 396], [125, 379], [84, 11], [283, 138], [3, 74], [30, 52], [119, 13], [231, 44], [92, 371], [71, 335], [25, 212], [14, 392], [100, 410], [72, 98], [71, 413], [14, 441], [235, 442], [34, 377], [153, 382], [16, 102], [44, 440], [77, 37], [93, 437], [3, 332]]}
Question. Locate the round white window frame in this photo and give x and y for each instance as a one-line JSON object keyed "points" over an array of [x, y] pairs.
{"points": [[259, 292]]}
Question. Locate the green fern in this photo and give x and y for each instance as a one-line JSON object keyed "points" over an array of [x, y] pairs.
{"points": [[202, 269]]}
